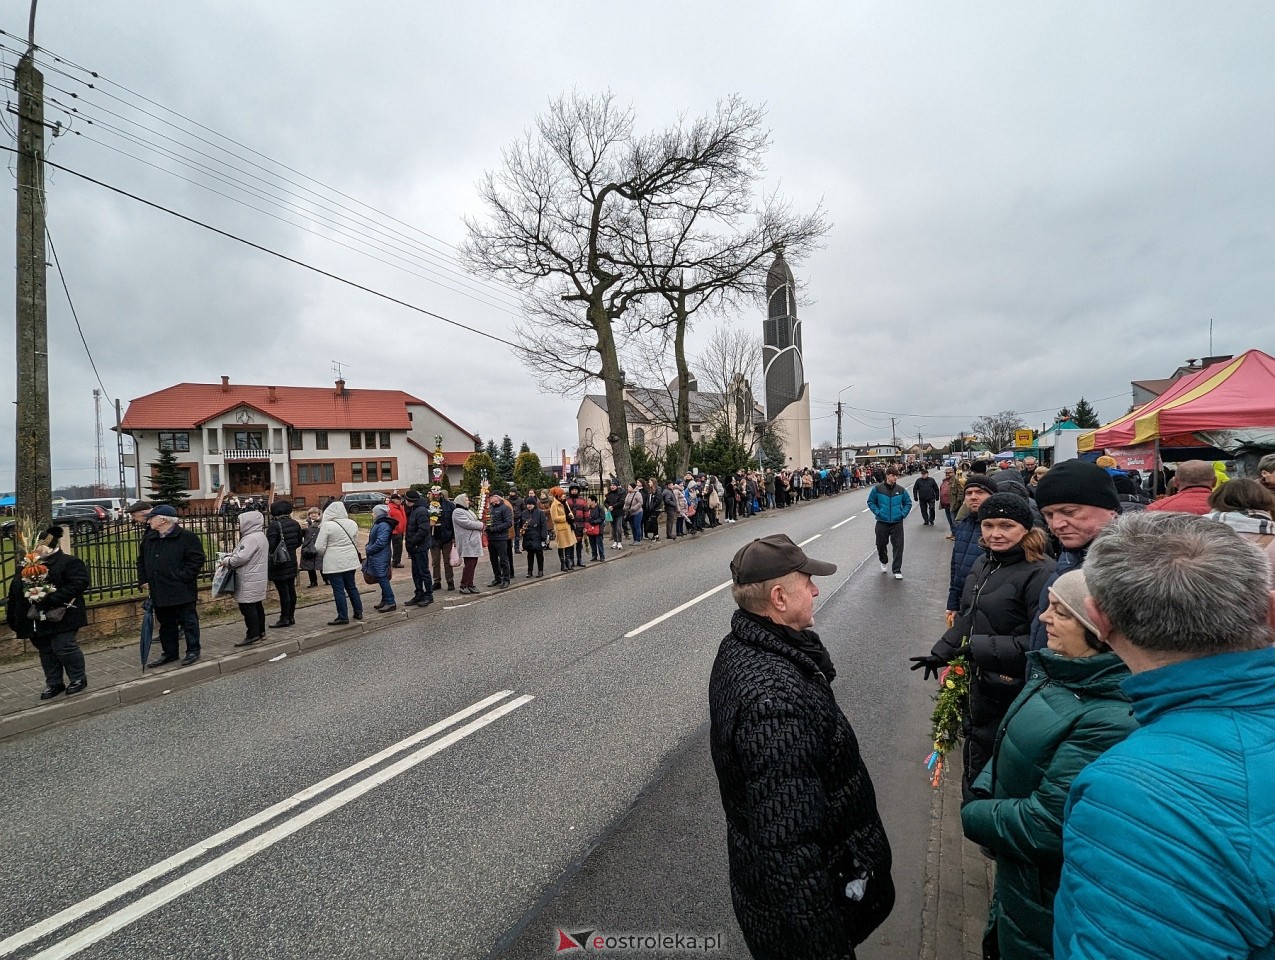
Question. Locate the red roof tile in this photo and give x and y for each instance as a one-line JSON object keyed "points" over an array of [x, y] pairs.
{"points": [[189, 405]]}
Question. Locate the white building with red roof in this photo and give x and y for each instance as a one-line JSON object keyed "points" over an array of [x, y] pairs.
{"points": [[311, 444]]}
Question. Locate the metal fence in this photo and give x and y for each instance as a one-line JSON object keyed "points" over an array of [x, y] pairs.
{"points": [[110, 553]]}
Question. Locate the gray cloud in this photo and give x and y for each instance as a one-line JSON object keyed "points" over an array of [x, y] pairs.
{"points": [[1030, 204]]}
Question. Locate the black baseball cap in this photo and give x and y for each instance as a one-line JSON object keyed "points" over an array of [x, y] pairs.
{"points": [[769, 558]]}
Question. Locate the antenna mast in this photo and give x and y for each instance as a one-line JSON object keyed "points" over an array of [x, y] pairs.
{"points": [[99, 460]]}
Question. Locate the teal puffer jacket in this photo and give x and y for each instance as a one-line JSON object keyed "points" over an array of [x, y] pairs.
{"points": [[1069, 713]]}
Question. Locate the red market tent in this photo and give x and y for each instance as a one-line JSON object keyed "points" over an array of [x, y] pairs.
{"points": [[1235, 394]]}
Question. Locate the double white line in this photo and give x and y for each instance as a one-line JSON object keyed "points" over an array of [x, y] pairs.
{"points": [[231, 858]]}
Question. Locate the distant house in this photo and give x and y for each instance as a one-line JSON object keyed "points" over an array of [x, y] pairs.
{"points": [[651, 419], [312, 444], [1144, 391]]}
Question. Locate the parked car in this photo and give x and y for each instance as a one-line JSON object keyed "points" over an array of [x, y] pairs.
{"points": [[83, 520], [362, 502]]}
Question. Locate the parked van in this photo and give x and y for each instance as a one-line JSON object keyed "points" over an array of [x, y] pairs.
{"points": [[114, 506]]}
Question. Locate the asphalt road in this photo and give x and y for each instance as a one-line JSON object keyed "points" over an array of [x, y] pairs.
{"points": [[574, 792]]}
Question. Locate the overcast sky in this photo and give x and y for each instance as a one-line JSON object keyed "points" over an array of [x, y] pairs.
{"points": [[1030, 202]]}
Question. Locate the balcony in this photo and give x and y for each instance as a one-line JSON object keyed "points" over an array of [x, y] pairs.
{"points": [[232, 456]]}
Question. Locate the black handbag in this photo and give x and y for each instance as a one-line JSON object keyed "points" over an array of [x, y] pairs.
{"points": [[281, 555]]}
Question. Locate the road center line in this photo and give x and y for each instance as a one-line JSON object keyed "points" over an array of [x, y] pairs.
{"points": [[676, 610], [694, 600], [129, 884], [844, 522], [232, 858]]}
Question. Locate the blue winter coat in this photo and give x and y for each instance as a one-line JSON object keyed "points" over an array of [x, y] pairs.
{"points": [[965, 551], [378, 550], [1169, 837], [887, 506]]}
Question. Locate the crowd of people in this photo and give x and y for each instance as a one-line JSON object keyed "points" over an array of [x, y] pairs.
{"points": [[1117, 732]]}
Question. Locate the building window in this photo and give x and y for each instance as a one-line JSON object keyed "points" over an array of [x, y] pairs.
{"points": [[320, 439], [214, 475], [316, 473], [176, 442], [248, 440], [639, 437], [369, 440], [387, 470], [356, 440], [356, 472], [385, 439], [294, 440], [371, 471], [409, 416], [213, 442]]}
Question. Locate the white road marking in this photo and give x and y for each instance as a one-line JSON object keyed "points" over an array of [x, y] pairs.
{"points": [[129, 884], [232, 858], [676, 610], [844, 522], [690, 603]]}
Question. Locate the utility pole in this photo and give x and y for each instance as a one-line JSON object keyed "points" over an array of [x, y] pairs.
{"points": [[839, 457], [894, 434], [33, 462]]}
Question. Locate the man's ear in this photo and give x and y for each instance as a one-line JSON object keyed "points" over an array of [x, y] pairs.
{"points": [[1099, 619], [778, 596]]}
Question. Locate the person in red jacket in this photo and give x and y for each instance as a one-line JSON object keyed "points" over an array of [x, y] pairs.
{"points": [[399, 513], [1195, 483]]}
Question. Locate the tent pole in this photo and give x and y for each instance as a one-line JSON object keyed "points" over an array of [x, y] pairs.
{"points": [[1155, 463]]}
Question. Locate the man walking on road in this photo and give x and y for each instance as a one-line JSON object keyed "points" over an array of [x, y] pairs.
{"points": [[809, 858], [1169, 837], [890, 504], [926, 491], [170, 564]]}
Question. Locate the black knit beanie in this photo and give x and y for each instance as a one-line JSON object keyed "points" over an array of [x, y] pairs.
{"points": [[1077, 481], [979, 480], [1010, 506]]}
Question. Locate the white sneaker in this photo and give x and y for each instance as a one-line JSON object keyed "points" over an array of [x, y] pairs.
{"points": [[898, 576], [885, 568]]}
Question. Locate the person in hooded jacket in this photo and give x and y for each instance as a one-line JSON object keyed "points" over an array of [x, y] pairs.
{"points": [[60, 654], [338, 550], [992, 630], [534, 525], [380, 555], [283, 529], [250, 561], [468, 530], [614, 504], [1070, 712]]}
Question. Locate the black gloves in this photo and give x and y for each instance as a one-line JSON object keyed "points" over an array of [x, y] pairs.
{"points": [[931, 663]]}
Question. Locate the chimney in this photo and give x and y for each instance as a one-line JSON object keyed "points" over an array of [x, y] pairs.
{"points": [[225, 384], [274, 394], [340, 387]]}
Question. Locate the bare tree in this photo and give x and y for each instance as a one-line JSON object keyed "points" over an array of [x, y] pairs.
{"points": [[729, 364], [564, 219], [997, 431]]}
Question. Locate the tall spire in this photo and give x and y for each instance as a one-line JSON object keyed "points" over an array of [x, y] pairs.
{"points": [[782, 365]]}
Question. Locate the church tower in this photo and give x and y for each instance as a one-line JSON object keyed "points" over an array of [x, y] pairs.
{"points": [[781, 353], [787, 393]]}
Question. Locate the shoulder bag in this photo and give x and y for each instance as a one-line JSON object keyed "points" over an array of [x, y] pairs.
{"points": [[280, 556]]}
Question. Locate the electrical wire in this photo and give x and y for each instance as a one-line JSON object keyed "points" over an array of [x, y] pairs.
{"points": [[300, 263], [71, 303]]}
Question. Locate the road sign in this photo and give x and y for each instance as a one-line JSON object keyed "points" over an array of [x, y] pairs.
{"points": [[1024, 438]]}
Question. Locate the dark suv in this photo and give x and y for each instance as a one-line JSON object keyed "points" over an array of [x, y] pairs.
{"points": [[362, 502], [81, 519]]}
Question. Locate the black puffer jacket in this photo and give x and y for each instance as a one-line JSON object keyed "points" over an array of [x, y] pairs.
{"points": [[801, 815], [993, 632], [283, 527], [71, 578]]}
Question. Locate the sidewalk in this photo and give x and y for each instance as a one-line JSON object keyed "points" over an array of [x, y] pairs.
{"points": [[113, 665], [958, 880]]}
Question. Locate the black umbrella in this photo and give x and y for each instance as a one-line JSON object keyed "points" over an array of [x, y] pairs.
{"points": [[148, 631]]}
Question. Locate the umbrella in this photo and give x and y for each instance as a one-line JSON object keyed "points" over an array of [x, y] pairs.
{"points": [[148, 631]]}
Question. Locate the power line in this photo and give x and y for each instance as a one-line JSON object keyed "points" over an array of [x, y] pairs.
{"points": [[67, 290], [293, 260]]}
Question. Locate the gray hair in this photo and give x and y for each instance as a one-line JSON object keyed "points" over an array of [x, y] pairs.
{"points": [[1267, 463], [1180, 583]]}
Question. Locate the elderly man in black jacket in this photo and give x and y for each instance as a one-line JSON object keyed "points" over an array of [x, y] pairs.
{"points": [[171, 561], [809, 858], [418, 540], [51, 622]]}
